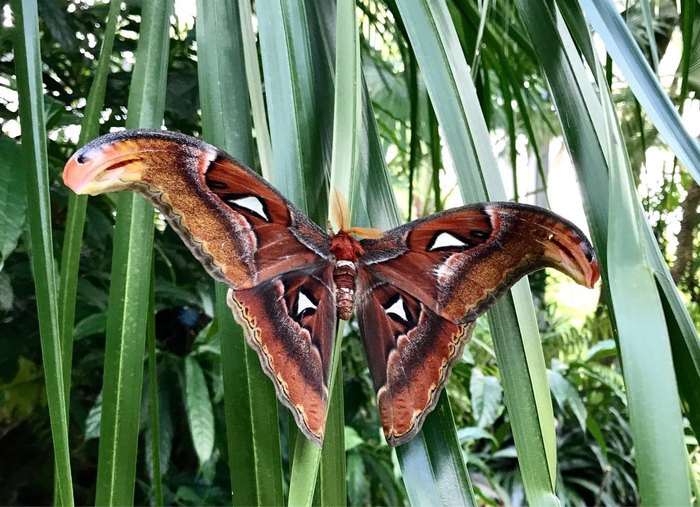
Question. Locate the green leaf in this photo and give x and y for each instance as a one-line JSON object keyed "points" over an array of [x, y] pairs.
{"points": [[6, 293], [601, 350], [358, 485], [255, 89], [28, 67], [93, 419], [289, 87], [90, 325], [13, 198], [603, 16], [352, 439], [472, 433], [153, 437], [650, 380], [199, 410], [250, 401], [566, 396], [167, 434], [432, 464], [77, 204], [130, 279], [486, 396]]}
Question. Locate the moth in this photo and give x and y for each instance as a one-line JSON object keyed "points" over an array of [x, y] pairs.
{"points": [[417, 289]]}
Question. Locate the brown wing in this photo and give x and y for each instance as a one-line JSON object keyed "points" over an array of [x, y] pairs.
{"points": [[410, 352], [422, 286], [247, 236], [289, 321], [239, 227], [460, 261]]}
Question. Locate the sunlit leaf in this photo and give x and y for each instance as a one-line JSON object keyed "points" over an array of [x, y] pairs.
{"points": [[199, 410]]}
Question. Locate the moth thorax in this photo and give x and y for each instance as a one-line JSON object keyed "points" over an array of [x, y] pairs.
{"points": [[344, 278]]}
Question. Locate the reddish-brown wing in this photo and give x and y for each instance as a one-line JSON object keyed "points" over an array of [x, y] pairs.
{"points": [[410, 352], [289, 321], [246, 235], [240, 228], [422, 286]]}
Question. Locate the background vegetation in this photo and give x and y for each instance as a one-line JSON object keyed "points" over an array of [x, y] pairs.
{"points": [[112, 392]]}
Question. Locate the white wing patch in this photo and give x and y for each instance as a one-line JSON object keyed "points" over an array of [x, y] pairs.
{"points": [[398, 309], [303, 302], [251, 203], [445, 240]]}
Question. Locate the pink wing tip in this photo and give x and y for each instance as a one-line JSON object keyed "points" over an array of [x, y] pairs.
{"points": [[75, 175]]}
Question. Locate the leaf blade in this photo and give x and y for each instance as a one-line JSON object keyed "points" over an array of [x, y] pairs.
{"points": [[250, 401], [619, 43], [29, 86], [131, 274], [199, 410]]}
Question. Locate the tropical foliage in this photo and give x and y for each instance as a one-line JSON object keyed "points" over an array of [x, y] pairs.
{"points": [[123, 377]]}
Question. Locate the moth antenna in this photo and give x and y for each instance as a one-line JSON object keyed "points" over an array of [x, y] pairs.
{"points": [[339, 210], [365, 232]]}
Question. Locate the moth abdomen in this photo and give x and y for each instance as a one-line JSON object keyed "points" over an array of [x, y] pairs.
{"points": [[344, 279]]}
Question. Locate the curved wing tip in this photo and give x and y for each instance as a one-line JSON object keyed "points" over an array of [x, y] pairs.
{"points": [[73, 178], [396, 440], [594, 273]]}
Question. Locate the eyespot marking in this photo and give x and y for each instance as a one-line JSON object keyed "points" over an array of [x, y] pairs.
{"points": [[304, 303], [447, 240], [396, 307], [216, 185], [253, 204]]}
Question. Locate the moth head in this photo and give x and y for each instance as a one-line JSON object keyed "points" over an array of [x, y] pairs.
{"points": [[345, 247], [110, 163]]}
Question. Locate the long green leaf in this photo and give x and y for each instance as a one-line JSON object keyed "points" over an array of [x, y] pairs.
{"points": [[586, 139], [373, 203], [199, 410], [288, 75], [516, 338], [255, 89], [684, 341], [77, 204], [432, 465], [346, 117], [688, 9], [153, 405], [651, 38], [31, 109], [13, 197], [619, 43], [644, 344], [331, 475], [131, 268], [251, 404]]}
